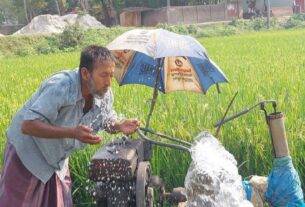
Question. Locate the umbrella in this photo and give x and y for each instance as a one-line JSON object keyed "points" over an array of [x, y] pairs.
{"points": [[165, 61]]}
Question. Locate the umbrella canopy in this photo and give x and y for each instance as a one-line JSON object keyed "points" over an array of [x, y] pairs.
{"points": [[158, 43], [164, 60], [184, 66]]}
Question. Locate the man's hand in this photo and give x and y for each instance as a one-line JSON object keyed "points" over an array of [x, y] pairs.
{"points": [[128, 126], [83, 134]]}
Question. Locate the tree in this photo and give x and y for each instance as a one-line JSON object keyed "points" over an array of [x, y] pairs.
{"points": [[109, 12], [2, 16], [57, 6], [61, 4], [13, 11], [84, 5], [25, 6]]}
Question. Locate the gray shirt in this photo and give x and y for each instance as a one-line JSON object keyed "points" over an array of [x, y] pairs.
{"points": [[58, 102]]}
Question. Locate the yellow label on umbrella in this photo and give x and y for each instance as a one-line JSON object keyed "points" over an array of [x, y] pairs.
{"points": [[123, 58], [179, 75]]}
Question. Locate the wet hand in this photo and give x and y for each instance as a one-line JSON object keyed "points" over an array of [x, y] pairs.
{"points": [[83, 134], [129, 126]]}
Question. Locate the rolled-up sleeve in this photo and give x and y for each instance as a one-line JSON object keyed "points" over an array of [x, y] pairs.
{"points": [[52, 95]]}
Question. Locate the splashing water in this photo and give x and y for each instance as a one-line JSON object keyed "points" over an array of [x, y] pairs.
{"points": [[212, 179]]}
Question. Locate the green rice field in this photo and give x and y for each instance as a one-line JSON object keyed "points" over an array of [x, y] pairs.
{"points": [[261, 65]]}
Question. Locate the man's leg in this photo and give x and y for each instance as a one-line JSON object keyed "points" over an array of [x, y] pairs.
{"points": [[18, 187]]}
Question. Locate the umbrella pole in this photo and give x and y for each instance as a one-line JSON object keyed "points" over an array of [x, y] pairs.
{"points": [[155, 94], [152, 106], [147, 144]]}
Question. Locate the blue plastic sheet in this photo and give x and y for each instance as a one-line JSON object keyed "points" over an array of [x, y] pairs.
{"points": [[248, 189], [284, 186]]}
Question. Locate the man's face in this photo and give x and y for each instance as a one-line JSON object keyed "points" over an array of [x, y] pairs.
{"points": [[101, 78]]}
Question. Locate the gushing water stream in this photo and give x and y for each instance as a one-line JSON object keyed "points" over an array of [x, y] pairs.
{"points": [[212, 179]]}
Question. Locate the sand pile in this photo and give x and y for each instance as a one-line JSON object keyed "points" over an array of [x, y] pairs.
{"points": [[48, 24]]}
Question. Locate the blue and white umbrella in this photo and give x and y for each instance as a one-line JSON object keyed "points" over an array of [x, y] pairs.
{"points": [[164, 60]]}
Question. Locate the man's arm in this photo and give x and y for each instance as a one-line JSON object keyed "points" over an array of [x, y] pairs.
{"points": [[38, 129]]}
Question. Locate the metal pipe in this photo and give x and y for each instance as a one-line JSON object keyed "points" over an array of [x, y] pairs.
{"points": [[277, 130], [221, 122], [166, 136], [246, 110], [225, 114], [179, 147]]}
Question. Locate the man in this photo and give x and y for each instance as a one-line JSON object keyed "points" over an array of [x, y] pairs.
{"points": [[63, 115]]}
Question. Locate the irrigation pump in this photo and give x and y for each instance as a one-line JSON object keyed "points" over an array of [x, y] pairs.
{"points": [[124, 177]]}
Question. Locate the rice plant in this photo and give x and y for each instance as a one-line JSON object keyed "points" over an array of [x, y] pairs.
{"points": [[263, 65]]}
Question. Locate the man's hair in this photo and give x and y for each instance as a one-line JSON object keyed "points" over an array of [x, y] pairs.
{"points": [[92, 54]]}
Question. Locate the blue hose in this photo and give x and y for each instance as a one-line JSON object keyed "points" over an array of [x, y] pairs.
{"points": [[284, 185]]}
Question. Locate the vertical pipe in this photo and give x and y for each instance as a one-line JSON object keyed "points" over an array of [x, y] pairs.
{"points": [[278, 134]]}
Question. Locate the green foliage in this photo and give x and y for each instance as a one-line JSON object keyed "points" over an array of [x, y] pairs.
{"points": [[1, 54], [71, 37], [300, 16], [14, 45], [219, 30], [13, 10], [297, 20], [235, 27], [259, 23], [241, 23], [47, 46], [25, 51], [102, 36], [191, 29], [274, 23], [180, 29], [256, 24], [39, 6], [118, 5]]}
